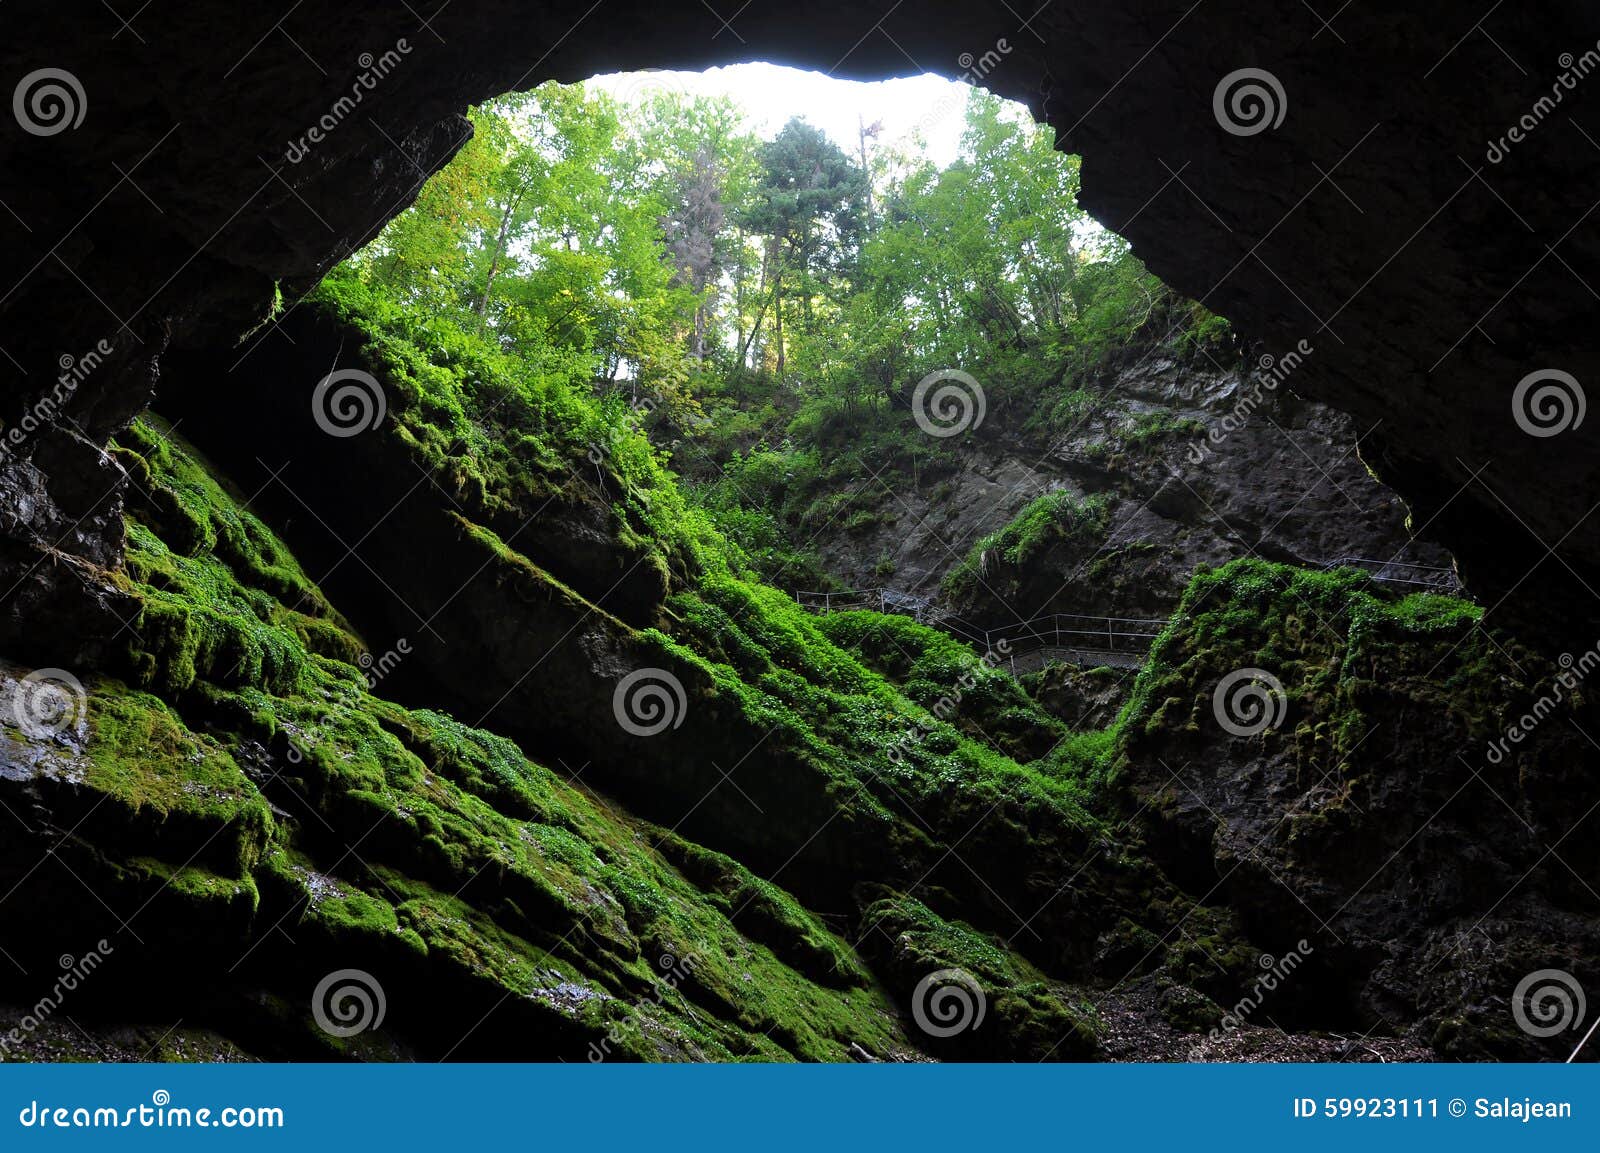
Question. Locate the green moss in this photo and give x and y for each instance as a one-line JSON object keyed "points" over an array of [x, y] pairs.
{"points": [[221, 599], [142, 757], [1047, 521], [1032, 1017], [975, 693], [767, 914], [1145, 429], [1340, 644], [446, 852], [504, 434], [780, 663]]}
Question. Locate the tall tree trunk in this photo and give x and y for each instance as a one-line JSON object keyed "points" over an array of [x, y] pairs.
{"points": [[738, 294], [766, 300], [499, 248], [777, 316]]}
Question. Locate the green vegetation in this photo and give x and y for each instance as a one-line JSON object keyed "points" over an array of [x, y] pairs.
{"points": [[586, 902], [709, 342], [1036, 1019], [1341, 644], [805, 676], [1048, 520], [762, 310]]}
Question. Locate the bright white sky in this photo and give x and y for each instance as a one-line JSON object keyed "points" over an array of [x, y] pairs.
{"points": [[927, 104]]}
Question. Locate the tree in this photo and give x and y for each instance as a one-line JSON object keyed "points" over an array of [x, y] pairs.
{"points": [[810, 206]]}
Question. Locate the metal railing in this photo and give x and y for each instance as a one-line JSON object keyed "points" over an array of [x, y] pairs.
{"points": [[1078, 632], [1397, 572], [1054, 630]]}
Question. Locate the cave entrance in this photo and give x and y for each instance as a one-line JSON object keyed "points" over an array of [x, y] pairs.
{"points": [[872, 335], [1318, 215]]}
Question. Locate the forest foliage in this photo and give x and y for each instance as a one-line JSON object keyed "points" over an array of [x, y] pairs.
{"points": [[760, 309]]}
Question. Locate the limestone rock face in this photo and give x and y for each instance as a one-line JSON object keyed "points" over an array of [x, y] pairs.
{"points": [[1184, 461]]}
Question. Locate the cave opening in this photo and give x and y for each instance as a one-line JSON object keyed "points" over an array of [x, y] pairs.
{"points": [[973, 404], [821, 560], [864, 338]]}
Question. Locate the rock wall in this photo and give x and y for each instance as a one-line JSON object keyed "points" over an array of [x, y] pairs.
{"points": [[1187, 461]]}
